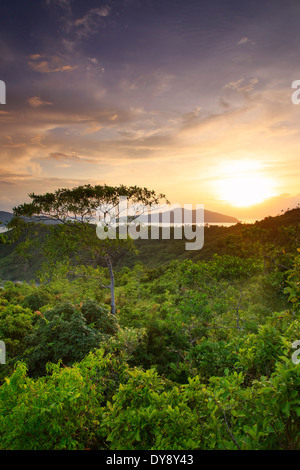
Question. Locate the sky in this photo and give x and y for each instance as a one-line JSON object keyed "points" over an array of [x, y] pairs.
{"points": [[191, 98]]}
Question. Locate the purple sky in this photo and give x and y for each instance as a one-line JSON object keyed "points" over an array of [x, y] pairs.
{"points": [[190, 98]]}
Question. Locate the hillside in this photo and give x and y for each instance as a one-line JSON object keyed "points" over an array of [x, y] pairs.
{"points": [[217, 239], [5, 217], [190, 347], [154, 253]]}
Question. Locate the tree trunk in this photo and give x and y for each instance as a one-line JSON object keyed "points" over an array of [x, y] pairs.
{"points": [[112, 284]]}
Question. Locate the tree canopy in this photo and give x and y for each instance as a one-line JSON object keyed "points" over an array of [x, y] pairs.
{"points": [[80, 204]]}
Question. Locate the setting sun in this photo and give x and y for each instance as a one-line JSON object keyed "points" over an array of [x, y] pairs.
{"points": [[244, 185]]}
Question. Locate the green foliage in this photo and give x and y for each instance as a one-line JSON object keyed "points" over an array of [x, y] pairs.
{"points": [[233, 267], [60, 411], [37, 298], [15, 325], [293, 281], [147, 414], [67, 333], [198, 355], [99, 317], [13, 292], [278, 405], [209, 358], [125, 342], [259, 352]]}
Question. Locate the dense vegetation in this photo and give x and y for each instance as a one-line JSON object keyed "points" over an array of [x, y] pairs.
{"points": [[198, 355]]}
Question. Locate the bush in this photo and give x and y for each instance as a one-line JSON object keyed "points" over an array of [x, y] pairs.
{"points": [[15, 324], [278, 405], [61, 333], [99, 317], [62, 410], [261, 351], [211, 358], [37, 299], [147, 413]]}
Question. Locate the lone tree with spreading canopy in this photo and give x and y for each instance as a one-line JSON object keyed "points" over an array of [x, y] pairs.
{"points": [[71, 216]]}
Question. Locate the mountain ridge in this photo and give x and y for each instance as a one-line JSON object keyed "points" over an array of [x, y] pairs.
{"points": [[209, 216]]}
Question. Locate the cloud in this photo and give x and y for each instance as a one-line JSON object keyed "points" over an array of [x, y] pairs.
{"points": [[89, 23], [9, 142], [8, 54], [94, 127], [35, 56], [93, 60], [68, 45], [68, 157], [64, 4], [156, 83], [191, 117], [35, 102], [6, 117], [41, 63], [62, 156], [18, 186], [45, 66], [234, 85], [245, 40], [12, 178], [245, 88], [91, 14]]}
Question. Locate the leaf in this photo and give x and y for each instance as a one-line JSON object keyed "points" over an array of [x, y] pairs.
{"points": [[286, 408], [297, 409]]}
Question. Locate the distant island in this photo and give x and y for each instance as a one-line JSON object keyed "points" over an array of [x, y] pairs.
{"points": [[215, 217], [185, 216]]}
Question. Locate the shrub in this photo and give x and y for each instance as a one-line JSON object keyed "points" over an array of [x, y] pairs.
{"points": [[278, 405], [60, 334], [62, 410], [147, 413]]}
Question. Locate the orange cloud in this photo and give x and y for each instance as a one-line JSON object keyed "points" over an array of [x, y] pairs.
{"points": [[50, 66], [35, 102]]}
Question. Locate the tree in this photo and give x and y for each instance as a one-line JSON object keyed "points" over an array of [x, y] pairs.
{"points": [[72, 215]]}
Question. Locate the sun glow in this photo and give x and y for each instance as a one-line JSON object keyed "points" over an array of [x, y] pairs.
{"points": [[245, 185]]}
